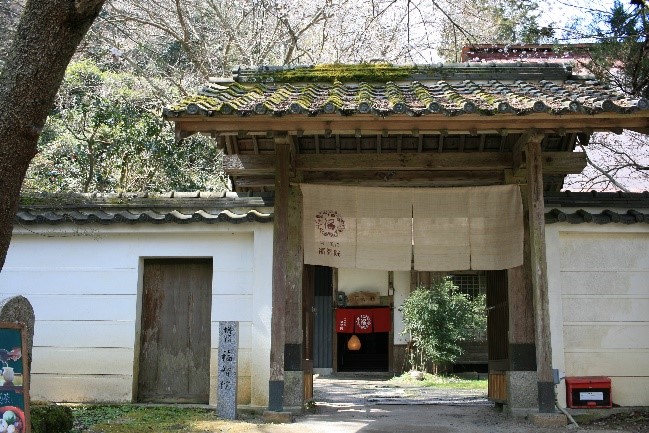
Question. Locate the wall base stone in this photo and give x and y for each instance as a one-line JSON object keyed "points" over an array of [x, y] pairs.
{"points": [[549, 419], [293, 389], [522, 393], [277, 417]]}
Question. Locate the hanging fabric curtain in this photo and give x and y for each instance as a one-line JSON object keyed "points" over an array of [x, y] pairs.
{"points": [[384, 228], [329, 225], [496, 222], [478, 228], [441, 229], [448, 229], [363, 320]]}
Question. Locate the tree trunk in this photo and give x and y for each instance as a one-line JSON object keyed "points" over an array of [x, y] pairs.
{"points": [[46, 38]]}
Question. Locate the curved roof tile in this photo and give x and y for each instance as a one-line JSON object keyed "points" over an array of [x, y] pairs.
{"points": [[449, 90]]}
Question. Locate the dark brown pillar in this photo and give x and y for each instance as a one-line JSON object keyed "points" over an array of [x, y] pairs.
{"points": [[539, 274], [280, 256], [293, 353]]}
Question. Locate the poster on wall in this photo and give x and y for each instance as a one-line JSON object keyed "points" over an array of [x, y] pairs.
{"points": [[14, 382]]}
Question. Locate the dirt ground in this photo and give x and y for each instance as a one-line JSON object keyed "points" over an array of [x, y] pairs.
{"points": [[366, 405]]}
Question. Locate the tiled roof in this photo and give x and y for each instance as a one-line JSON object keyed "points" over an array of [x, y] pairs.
{"points": [[208, 207], [484, 89], [181, 208], [605, 217], [637, 205]]}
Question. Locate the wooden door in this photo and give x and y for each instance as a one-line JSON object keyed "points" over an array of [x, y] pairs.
{"points": [[497, 334], [323, 320], [174, 364]]}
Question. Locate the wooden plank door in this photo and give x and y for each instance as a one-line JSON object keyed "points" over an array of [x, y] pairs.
{"points": [[497, 334], [323, 320], [174, 363]]}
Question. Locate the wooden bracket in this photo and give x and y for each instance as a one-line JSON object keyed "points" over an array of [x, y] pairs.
{"points": [[530, 136]]}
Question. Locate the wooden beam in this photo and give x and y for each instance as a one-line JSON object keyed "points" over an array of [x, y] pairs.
{"points": [[264, 165], [427, 124], [563, 162], [228, 145], [406, 178], [536, 212], [517, 149], [255, 144], [280, 253], [236, 165], [404, 161], [253, 182], [503, 139]]}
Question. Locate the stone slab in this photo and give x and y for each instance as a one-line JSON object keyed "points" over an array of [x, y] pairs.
{"points": [[18, 309], [522, 392], [548, 419], [226, 393], [273, 417]]}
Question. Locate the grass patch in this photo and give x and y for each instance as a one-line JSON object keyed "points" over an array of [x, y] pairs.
{"points": [[137, 419], [442, 381]]}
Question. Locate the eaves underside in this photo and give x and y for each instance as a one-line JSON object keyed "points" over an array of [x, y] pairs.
{"points": [[403, 124]]}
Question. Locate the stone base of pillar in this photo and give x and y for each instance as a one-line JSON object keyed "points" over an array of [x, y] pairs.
{"points": [[293, 389], [276, 395], [272, 417], [549, 419], [522, 393]]}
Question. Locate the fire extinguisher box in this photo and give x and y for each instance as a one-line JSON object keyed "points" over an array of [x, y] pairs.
{"points": [[588, 392]]}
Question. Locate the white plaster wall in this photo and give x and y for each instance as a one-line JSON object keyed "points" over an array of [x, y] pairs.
{"points": [[85, 287], [357, 280], [401, 292], [598, 278]]}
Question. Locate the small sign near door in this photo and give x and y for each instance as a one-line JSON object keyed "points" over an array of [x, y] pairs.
{"points": [[14, 383]]}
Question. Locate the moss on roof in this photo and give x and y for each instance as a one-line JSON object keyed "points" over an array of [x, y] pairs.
{"points": [[367, 72]]}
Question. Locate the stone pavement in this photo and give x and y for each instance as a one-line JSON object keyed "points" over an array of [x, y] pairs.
{"points": [[370, 404], [375, 389]]}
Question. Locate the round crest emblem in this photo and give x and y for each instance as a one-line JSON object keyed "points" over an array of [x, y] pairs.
{"points": [[363, 321], [329, 223]]}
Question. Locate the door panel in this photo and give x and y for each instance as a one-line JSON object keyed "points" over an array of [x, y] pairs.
{"points": [[176, 330], [323, 326]]}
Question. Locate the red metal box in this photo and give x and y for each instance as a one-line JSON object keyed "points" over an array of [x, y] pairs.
{"points": [[588, 392]]}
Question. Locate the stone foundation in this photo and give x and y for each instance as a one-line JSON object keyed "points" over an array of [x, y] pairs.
{"points": [[522, 392]]}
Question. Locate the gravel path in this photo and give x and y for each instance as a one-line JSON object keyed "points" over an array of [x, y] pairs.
{"points": [[358, 404], [373, 390]]}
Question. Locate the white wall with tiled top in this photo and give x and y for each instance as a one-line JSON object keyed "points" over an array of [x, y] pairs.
{"points": [[598, 279], [84, 283]]}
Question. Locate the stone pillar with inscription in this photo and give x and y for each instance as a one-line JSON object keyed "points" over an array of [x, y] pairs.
{"points": [[226, 404]]}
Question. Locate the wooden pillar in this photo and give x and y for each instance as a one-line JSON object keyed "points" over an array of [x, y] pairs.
{"points": [[539, 274], [280, 256], [294, 390], [522, 350]]}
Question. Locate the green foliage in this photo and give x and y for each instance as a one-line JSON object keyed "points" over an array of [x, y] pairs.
{"points": [[516, 21], [51, 418], [621, 54], [441, 381], [135, 419], [439, 317], [363, 72], [106, 134]]}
